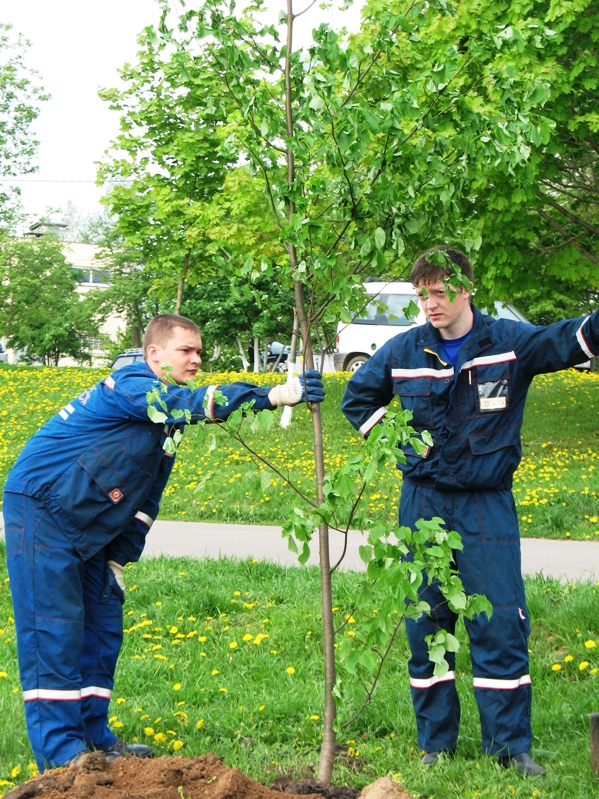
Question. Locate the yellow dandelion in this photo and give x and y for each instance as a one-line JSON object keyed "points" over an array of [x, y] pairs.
{"points": [[568, 658], [590, 644], [214, 672], [177, 686], [233, 645], [149, 731], [556, 667], [583, 665], [290, 670], [199, 724], [314, 717], [248, 637], [160, 737], [178, 745]]}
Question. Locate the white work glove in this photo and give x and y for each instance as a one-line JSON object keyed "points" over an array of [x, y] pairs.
{"points": [[117, 570], [294, 391]]}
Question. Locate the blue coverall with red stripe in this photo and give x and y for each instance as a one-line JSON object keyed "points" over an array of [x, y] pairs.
{"points": [[85, 490], [473, 411]]}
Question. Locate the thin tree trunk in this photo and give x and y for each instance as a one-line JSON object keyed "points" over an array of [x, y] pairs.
{"points": [[327, 750]]}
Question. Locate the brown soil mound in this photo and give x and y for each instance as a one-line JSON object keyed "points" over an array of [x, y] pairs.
{"points": [[204, 777]]}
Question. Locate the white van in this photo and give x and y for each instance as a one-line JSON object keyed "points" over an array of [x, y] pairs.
{"points": [[357, 341]]}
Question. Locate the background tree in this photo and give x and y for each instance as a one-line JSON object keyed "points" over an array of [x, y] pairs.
{"points": [[171, 162], [540, 228], [20, 94], [41, 314]]}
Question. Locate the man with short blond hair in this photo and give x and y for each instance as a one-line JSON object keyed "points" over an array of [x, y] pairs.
{"points": [[78, 504]]}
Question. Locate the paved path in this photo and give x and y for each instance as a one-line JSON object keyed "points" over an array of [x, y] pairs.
{"points": [[569, 560], [566, 560]]}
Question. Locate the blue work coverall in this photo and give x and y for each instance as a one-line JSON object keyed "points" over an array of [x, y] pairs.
{"points": [[473, 411], [85, 490]]}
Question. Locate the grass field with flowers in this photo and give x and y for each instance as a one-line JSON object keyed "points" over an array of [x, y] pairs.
{"points": [[225, 656], [556, 486]]}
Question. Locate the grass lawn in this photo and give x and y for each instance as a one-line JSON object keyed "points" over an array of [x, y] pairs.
{"points": [[556, 486], [225, 656]]}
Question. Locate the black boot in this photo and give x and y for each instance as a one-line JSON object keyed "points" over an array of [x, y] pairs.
{"points": [[523, 763], [120, 749]]}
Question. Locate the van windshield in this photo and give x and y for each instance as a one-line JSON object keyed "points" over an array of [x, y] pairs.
{"points": [[392, 315]]}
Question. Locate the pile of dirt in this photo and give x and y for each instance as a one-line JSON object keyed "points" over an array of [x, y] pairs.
{"points": [[204, 777]]}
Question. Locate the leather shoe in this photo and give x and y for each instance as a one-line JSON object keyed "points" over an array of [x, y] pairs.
{"points": [[430, 758], [524, 764], [120, 749]]}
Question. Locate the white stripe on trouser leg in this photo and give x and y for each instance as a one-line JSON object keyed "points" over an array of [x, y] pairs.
{"points": [[50, 694], [430, 681], [583, 342], [500, 685], [95, 690]]}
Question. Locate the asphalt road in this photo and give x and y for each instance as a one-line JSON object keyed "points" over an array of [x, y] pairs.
{"points": [[565, 560]]}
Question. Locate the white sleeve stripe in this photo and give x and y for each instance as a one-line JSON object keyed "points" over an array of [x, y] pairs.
{"points": [[95, 690], [63, 414], [109, 382], [582, 341], [488, 360], [428, 683], [51, 695], [144, 518], [372, 420], [209, 403], [501, 685]]}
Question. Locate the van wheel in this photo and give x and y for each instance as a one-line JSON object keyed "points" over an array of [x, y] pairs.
{"points": [[355, 362]]}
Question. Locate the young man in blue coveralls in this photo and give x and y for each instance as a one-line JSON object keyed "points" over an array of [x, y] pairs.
{"points": [[78, 504], [465, 377]]}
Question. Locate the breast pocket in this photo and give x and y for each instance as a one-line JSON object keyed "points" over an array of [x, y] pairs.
{"points": [[416, 396], [484, 391]]}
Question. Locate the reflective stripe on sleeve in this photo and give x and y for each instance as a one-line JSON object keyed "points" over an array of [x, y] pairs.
{"points": [[109, 382], [209, 403], [428, 683], [500, 685], [51, 694], [423, 371], [144, 518], [95, 690], [65, 412], [582, 341], [372, 420], [488, 360]]}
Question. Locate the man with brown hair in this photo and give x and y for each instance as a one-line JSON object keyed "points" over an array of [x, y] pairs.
{"points": [[78, 504], [464, 377]]}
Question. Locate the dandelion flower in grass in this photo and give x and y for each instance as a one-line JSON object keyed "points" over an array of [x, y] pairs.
{"points": [[199, 724], [160, 737], [214, 672], [233, 645], [3, 674], [223, 690], [556, 667], [568, 658], [177, 686], [290, 670], [149, 731], [583, 665], [32, 768], [121, 700], [593, 671], [15, 772], [248, 637], [202, 639], [314, 717], [590, 644], [178, 745], [261, 707]]}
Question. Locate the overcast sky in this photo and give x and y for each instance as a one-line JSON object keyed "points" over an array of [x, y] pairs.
{"points": [[78, 47]]}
